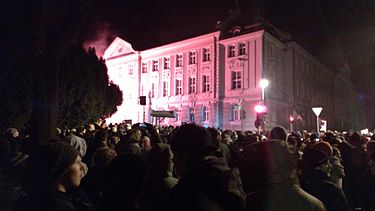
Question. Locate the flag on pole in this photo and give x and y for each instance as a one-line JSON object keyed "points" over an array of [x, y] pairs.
{"points": [[296, 115]]}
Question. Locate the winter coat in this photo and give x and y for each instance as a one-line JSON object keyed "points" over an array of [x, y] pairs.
{"points": [[283, 197], [210, 185], [319, 185]]}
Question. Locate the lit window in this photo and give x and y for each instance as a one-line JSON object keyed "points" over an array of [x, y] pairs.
{"points": [[206, 54], [179, 60], [231, 51], [144, 67], [236, 112], [167, 63], [153, 90], [242, 49], [205, 83], [178, 86], [191, 114], [192, 57], [165, 88], [205, 113], [192, 85], [131, 69], [178, 116], [236, 79], [155, 65]]}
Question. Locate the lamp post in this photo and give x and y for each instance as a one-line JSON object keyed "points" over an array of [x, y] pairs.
{"points": [[263, 84]]}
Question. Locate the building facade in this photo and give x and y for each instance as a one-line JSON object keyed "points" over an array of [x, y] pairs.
{"points": [[213, 80]]}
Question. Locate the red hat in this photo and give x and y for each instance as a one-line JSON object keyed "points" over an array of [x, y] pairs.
{"points": [[317, 154], [324, 146]]}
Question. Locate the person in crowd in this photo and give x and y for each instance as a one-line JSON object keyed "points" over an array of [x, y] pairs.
{"points": [[278, 133], [277, 182], [368, 181], [77, 142], [222, 149], [316, 173], [248, 157], [12, 164], [93, 182], [131, 146], [226, 137], [355, 161], [125, 178], [99, 140], [53, 171], [145, 144], [160, 178], [206, 182], [337, 172]]}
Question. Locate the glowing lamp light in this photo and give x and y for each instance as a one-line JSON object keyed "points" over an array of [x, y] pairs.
{"points": [[260, 109], [291, 118], [263, 83]]}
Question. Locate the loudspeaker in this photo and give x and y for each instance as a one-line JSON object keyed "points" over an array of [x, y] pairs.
{"points": [[142, 100]]}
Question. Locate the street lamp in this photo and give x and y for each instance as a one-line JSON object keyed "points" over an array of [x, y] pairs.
{"points": [[263, 84]]}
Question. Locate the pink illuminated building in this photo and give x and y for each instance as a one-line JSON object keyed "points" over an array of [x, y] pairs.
{"points": [[213, 80]]}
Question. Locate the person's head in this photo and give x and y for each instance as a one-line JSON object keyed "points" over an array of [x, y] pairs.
{"points": [[226, 137], [57, 166], [13, 133], [135, 135], [279, 133], [190, 144], [215, 135], [102, 156], [145, 143], [316, 158], [276, 162]]}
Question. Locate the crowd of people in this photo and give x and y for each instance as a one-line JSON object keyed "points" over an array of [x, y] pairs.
{"points": [[143, 167]]}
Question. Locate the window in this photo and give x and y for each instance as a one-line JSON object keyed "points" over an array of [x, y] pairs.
{"points": [[205, 83], [165, 88], [206, 54], [242, 49], [167, 63], [236, 79], [205, 113], [131, 69], [152, 90], [236, 112], [179, 60], [178, 86], [155, 65], [144, 67], [192, 85], [191, 114], [178, 116], [192, 57], [231, 51]]}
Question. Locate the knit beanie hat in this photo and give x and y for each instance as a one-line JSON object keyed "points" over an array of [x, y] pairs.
{"points": [[50, 162], [317, 154], [370, 148], [324, 146]]}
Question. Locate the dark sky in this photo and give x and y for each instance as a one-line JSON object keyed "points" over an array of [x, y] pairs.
{"points": [[338, 32]]}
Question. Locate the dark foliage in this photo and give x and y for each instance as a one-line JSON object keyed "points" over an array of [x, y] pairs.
{"points": [[85, 93]]}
